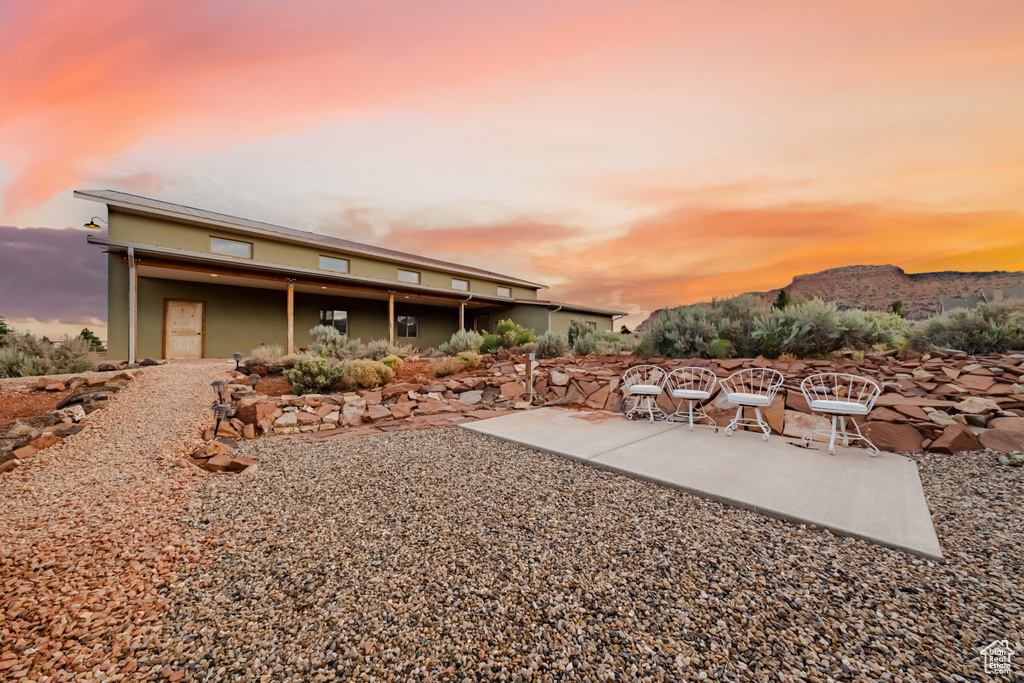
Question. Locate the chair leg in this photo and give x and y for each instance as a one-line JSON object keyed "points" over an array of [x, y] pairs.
{"points": [[832, 440], [842, 426], [691, 416], [735, 421], [650, 409], [762, 424], [872, 449]]}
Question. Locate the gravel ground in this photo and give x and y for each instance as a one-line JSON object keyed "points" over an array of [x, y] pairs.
{"points": [[93, 531], [445, 555]]}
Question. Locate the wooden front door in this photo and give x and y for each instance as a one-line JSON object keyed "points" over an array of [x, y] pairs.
{"points": [[183, 329]]}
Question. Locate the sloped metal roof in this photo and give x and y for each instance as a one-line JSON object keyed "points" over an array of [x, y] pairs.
{"points": [[131, 203]]}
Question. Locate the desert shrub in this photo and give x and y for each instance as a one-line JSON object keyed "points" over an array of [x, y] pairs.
{"points": [[768, 332], [363, 373], [379, 349], [266, 354], [19, 430], [552, 345], [394, 362], [470, 360], [329, 343], [447, 366], [4, 329], [310, 374], [25, 355], [72, 355], [894, 329], [431, 352], [507, 335], [720, 348], [990, 328], [462, 340], [584, 345]]}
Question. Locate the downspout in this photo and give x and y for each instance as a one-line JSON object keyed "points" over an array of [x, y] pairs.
{"points": [[132, 304], [549, 315]]}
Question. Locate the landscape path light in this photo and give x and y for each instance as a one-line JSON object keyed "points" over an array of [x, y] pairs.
{"points": [[220, 412], [238, 359], [218, 390], [254, 380]]}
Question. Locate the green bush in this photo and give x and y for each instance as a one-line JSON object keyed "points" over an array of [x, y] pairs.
{"points": [[552, 345], [94, 342], [462, 340], [312, 374], [72, 355], [585, 345], [394, 362], [720, 348], [990, 328]]}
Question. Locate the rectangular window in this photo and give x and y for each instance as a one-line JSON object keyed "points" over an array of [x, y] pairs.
{"points": [[408, 276], [407, 326], [336, 319], [461, 285], [592, 325], [505, 291], [339, 265], [219, 245]]}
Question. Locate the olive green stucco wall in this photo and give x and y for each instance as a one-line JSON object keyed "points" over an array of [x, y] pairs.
{"points": [[560, 321], [162, 233], [240, 318]]}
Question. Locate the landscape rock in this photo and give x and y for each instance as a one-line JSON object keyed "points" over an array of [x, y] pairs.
{"points": [[895, 438], [977, 406], [955, 438], [1013, 424], [1002, 440]]}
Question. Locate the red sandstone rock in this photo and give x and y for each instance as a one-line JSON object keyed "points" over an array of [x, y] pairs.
{"points": [[1013, 424], [955, 439], [1002, 440], [896, 438]]}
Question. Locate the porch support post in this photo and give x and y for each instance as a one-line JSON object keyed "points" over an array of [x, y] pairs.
{"points": [[133, 303], [391, 317], [462, 315], [291, 316]]}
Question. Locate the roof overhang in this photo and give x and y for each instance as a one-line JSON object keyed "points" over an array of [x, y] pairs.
{"points": [[285, 272], [575, 308], [182, 214]]}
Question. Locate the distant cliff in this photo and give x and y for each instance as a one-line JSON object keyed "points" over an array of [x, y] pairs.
{"points": [[874, 288]]}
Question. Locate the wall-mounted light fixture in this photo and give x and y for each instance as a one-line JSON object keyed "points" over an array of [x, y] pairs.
{"points": [[93, 224]]}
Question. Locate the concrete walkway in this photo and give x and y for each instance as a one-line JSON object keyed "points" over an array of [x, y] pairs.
{"points": [[876, 499]]}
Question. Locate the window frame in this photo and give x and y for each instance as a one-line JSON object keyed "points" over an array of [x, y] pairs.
{"points": [[410, 272], [333, 319], [460, 289], [347, 262], [214, 239], [415, 326], [507, 289]]}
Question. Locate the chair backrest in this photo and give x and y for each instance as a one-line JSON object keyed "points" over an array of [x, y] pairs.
{"points": [[643, 374], [691, 379], [760, 381], [838, 386]]}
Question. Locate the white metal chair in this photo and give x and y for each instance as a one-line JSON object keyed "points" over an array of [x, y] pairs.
{"points": [[841, 397], [644, 384], [692, 385], [754, 387]]}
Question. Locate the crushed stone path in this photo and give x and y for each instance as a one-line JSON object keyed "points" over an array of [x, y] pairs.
{"points": [[445, 555], [93, 533]]}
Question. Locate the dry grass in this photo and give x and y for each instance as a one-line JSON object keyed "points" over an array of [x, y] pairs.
{"points": [[19, 430]]}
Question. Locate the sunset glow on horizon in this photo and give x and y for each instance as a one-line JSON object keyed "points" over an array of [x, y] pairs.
{"points": [[632, 155]]}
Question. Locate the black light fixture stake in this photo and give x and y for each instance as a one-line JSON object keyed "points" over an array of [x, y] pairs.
{"points": [[220, 411]]}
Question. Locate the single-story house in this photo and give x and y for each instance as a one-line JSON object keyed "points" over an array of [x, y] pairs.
{"points": [[191, 283], [1013, 294]]}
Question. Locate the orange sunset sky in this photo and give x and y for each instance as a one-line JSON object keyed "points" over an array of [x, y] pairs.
{"points": [[632, 154]]}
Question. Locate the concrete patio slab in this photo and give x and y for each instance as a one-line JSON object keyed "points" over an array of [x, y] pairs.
{"points": [[875, 499]]}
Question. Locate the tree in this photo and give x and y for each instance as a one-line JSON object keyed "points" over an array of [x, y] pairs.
{"points": [[783, 300], [624, 330], [94, 342], [897, 308]]}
